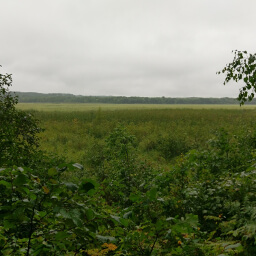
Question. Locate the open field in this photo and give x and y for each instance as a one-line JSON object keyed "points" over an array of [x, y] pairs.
{"points": [[91, 107], [162, 132]]}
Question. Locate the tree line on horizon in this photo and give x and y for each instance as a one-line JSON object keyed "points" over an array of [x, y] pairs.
{"points": [[33, 97]]}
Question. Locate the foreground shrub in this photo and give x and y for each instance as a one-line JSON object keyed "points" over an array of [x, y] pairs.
{"points": [[18, 130], [44, 216]]}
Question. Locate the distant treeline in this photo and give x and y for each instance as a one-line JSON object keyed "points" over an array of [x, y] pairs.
{"points": [[33, 97]]}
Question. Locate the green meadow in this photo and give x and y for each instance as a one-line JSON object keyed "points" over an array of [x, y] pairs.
{"points": [[78, 132]]}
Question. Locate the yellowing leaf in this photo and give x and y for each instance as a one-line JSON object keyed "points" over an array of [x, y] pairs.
{"points": [[46, 190]]}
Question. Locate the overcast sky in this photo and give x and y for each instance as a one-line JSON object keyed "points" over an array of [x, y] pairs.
{"points": [[170, 48]]}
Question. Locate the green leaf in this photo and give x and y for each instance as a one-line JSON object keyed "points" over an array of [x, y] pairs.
{"points": [[61, 235], [42, 214], [120, 220], [79, 166], [27, 191], [134, 197], [21, 179], [159, 225], [124, 222], [32, 196], [152, 194], [170, 219], [8, 225], [232, 246], [75, 215], [7, 252], [78, 222], [116, 218], [169, 231], [192, 219], [90, 214], [127, 215], [52, 172], [106, 239], [179, 228], [64, 213], [71, 186], [5, 183], [18, 213]]}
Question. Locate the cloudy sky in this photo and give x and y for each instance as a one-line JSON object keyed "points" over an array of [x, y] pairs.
{"points": [[170, 48]]}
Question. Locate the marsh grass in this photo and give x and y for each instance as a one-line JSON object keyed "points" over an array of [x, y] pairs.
{"points": [[78, 131]]}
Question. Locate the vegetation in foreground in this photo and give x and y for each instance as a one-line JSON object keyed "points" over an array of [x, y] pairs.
{"points": [[203, 204]]}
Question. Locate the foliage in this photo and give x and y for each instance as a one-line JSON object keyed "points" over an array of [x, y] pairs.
{"points": [[45, 216], [121, 169], [170, 146], [119, 144], [242, 68], [18, 130]]}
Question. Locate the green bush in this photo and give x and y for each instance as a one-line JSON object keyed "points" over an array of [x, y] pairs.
{"points": [[172, 146], [45, 216], [18, 130]]}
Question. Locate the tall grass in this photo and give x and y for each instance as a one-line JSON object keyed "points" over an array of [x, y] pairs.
{"points": [[161, 133]]}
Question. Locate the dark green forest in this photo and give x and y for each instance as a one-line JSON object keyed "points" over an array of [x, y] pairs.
{"points": [[33, 97]]}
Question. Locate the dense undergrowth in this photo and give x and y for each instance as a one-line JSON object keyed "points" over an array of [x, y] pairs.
{"points": [[149, 187]]}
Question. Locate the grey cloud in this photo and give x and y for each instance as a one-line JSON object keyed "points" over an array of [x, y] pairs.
{"points": [[128, 47]]}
